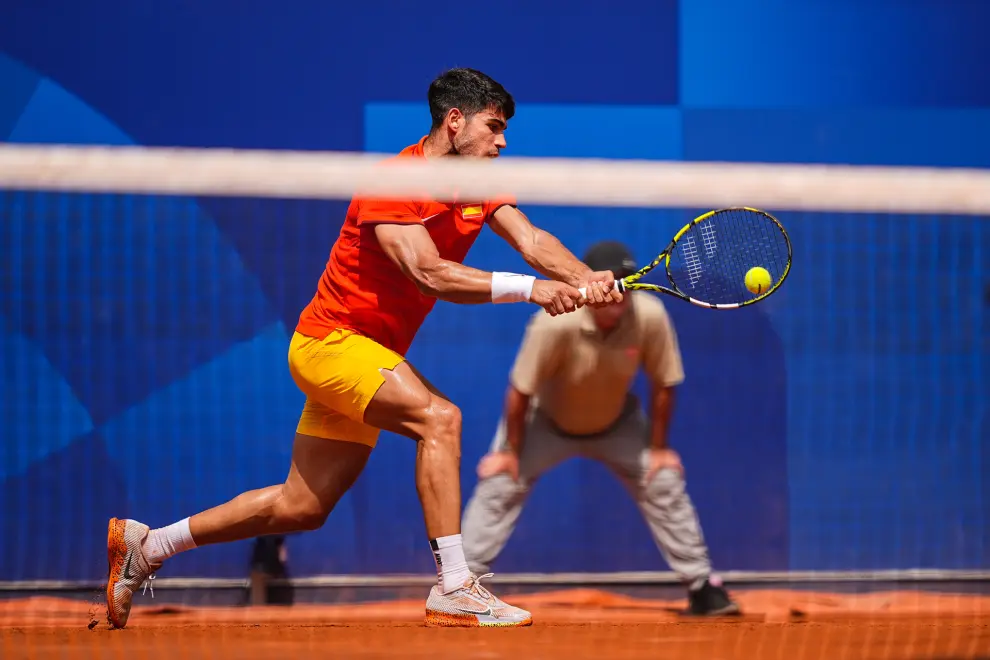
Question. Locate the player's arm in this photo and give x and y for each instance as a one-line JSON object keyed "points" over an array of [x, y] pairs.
{"points": [[541, 250], [414, 252], [548, 256], [411, 248]]}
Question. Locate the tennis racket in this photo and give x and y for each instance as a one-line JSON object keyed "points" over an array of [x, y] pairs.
{"points": [[711, 261]]}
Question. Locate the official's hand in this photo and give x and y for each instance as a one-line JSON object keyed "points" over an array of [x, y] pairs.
{"points": [[499, 462], [600, 289], [660, 459], [556, 297]]}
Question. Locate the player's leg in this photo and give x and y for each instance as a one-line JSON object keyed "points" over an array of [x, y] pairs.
{"points": [[494, 508], [408, 404], [322, 470], [331, 448], [668, 511], [320, 473]]}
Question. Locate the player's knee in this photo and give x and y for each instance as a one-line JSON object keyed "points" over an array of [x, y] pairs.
{"points": [[304, 516], [443, 426]]}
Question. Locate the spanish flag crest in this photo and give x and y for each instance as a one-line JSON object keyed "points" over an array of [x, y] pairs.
{"points": [[471, 211]]}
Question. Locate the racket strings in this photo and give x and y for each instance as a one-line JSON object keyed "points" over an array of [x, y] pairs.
{"points": [[711, 260]]}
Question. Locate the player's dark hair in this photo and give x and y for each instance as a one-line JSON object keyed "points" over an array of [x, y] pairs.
{"points": [[471, 92]]}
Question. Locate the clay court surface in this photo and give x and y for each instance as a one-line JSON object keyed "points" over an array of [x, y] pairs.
{"points": [[572, 624]]}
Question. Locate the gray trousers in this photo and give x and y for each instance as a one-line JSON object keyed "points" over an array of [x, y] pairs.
{"points": [[493, 510]]}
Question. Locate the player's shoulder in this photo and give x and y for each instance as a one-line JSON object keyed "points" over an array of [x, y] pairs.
{"points": [[363, 203], [414, 150]]}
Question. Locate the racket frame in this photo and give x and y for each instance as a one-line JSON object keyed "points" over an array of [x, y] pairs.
{"points": [[631, 282]]}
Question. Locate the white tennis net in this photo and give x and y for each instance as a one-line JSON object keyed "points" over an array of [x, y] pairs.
{"points": [[564, 182]]}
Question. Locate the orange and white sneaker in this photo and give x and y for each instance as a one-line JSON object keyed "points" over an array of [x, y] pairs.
{"points": [[472, 606], [129, 568]]}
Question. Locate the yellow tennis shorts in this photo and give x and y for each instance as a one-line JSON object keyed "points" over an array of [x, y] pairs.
{"points": [[339, 375]]}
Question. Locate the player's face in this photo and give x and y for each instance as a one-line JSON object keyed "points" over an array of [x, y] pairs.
{"points": [[481, 135], [608, 317]]}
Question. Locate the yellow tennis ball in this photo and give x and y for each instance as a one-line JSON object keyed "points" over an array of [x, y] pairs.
{"points": [[758, 280]]}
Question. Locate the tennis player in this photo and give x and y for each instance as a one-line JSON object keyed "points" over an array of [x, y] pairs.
{"points": [[568, 396], [392, 261]]}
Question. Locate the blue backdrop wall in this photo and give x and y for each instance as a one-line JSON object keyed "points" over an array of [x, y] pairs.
{"points": [[841, 425]]}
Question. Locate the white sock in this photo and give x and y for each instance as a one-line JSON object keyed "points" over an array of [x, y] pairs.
{"points": [[166, 542], [452, 568]]}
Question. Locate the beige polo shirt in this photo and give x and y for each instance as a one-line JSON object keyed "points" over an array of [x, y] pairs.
{"points": [[580, 378]]}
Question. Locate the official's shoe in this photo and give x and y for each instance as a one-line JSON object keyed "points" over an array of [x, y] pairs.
{"points": [[711, 600]]}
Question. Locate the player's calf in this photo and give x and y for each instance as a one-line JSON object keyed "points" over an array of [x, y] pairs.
{"points": [[406, 405], [409, 405]]}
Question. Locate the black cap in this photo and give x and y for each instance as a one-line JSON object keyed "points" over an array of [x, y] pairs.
{"points": [[611, 255]]}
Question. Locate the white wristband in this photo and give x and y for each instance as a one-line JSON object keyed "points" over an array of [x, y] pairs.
{"points": [[511, 287]]}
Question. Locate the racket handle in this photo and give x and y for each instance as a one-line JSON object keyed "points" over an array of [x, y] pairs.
{"points": [[618, 284]]}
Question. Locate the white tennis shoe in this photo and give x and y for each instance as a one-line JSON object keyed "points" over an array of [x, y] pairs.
{"points": [[129, 568], [472, 606]]}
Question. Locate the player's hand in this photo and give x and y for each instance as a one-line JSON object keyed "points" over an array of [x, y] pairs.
{"points": [[601, 289], [661, 459], [499, 462], [556, 297]]}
